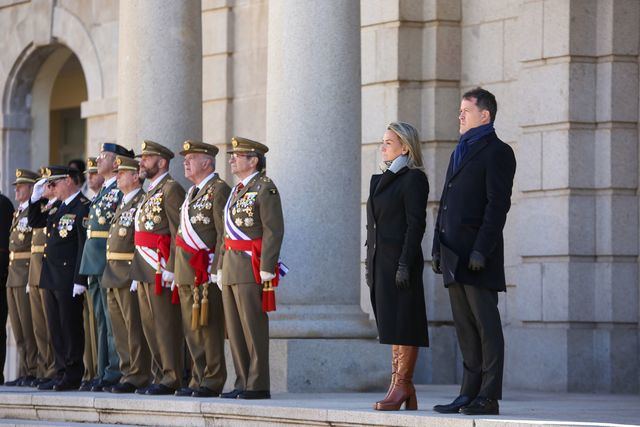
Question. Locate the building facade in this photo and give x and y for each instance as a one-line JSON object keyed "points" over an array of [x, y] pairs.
{"points": [[318, 80]]}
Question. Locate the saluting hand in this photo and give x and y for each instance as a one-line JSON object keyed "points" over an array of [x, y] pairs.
{"points": [[402, 277], [476, 261], [78, 290]]}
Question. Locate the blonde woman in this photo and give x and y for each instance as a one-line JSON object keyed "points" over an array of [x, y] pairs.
{"points": [[396, 220]]}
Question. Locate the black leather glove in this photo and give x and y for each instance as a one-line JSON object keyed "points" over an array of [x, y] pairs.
{"points": [[435, 264], [476, 261], [402, 277]]}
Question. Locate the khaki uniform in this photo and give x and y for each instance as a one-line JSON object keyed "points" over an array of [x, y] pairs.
{"points": [[206, 342], [257, 211], [46, 361], [135, 359], [17, 297], [159, 213]]}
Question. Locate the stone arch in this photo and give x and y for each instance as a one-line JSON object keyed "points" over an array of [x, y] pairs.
{"points": [[67, 33]]}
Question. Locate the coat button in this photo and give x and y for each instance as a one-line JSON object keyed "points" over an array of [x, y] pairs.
{"points": [[442, 230], [64, 263], [445, 207], [45, 255], [450, 185]]}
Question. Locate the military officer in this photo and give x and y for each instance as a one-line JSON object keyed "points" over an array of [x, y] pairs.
{"points": [[93, 184], [124, 311], [94, 259], [156, 225], [17, 297], [254, 228], [60, 276], [199, 239], [46, 361]]}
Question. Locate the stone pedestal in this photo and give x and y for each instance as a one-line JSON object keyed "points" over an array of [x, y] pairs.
{"points": [[313, 132], [160, 74]]}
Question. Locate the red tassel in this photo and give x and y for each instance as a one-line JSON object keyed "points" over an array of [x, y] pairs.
{"points": [[268, 298], [175, 297], [158, 289]]}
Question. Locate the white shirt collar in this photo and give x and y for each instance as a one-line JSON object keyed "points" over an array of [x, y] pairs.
{"points": [[127, 197], [157, 180], [23, 205], [70, 198], [204, 181], [249, 178], [51, 202], [109, 181]]}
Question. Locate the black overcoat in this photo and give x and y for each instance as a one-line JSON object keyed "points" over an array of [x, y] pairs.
{"points": [[6, 216], [396, 218], [473, 210]]}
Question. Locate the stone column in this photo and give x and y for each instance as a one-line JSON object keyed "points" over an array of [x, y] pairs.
{"points": [[313, 132], [160, 74]]}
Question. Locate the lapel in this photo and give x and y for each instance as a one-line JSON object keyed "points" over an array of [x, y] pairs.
{"points": [[387, 178], [204, 189], [155, 189], [245, 189], [475, 148]]}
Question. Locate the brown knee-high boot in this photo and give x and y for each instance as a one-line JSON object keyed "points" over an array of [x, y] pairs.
{"points": [[394, 371], [403, 390]]}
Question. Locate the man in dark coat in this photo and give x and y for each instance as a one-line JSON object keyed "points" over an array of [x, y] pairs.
{"points": [[60, 277], [468, 250], [6, 214]]}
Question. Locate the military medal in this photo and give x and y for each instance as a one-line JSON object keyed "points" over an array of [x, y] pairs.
{"points": [[63, 233], [21, 236], [238, 222], [102, 220], [248, 222], [157, 219], [122, 232]]}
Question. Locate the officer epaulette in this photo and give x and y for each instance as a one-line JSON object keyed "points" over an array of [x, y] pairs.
{"points": [[265, 179]]}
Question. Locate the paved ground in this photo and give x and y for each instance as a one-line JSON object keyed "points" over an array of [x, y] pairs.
{"points": [[519, 408]]}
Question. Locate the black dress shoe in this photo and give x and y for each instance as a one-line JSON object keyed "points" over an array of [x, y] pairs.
{"points": [[204, 392], [254, 394], [26, 381], [143, 390], [159, 390], [65, 385], [14, 383], [481, 406], [231, 394], [85, 385], [183, 391], [123, 388], [38, 381], [102, 386], [48, 385], [453, 407]]}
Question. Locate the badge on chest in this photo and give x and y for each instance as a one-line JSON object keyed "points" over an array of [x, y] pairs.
{"points": [[65, 225], [150, 211]]}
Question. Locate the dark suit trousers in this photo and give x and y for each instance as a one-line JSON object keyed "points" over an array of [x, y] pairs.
{"points": [[64, 317], [479, 330], [4, 312]]}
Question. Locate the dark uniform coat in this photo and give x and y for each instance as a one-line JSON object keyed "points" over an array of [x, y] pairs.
{"points": [[396, 221], [473, 210]]}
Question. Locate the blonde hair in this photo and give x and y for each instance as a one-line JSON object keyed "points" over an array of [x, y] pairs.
{"points": [[409, 138]]}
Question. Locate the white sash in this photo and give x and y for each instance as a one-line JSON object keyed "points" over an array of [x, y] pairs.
{"points": [[149, 255], [189, 234]]}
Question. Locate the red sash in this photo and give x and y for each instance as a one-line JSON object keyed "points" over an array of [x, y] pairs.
{"points": [[199, 260], [255, 246], [161, 243]]}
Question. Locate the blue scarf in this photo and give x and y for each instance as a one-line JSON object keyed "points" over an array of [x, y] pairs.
{"points": [[468, 138]]}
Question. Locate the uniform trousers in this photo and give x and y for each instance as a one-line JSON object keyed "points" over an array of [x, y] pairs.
{"points": [[479, 331], [108, 361], [90, 355], [4, 312], [45, 358], [161, 325], [64, 317], [135, 359], [248, 329], [206, 343], [22, 326]]}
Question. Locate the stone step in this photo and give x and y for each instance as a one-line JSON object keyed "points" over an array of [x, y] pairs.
{"points": [[519, 409]]}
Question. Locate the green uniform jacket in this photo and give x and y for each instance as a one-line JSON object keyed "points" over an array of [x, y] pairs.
{"points": [[159, 213], [38, 242], [205, 215], [117, 272], [257, 211], [102, 210], [19, 247]]}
